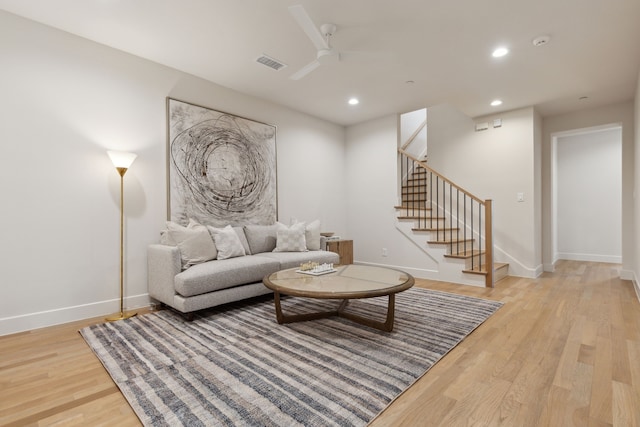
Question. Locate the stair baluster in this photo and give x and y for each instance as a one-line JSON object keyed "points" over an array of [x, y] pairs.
{"points": [[420, 203]]}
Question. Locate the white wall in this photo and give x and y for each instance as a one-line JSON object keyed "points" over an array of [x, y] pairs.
{"points": [[409, 123], [616, 114], [589, 196], [372, 188], [66, 101], [494, 164]]}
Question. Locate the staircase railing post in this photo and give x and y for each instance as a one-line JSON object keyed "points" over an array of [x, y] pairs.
{"points": [[488, 231]]}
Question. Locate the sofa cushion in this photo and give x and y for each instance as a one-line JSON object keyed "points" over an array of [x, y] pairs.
{"points": [[194, 242], [311, 233], [290, 241], [227, 242], [294, 259], [221, 274], [261, 238]]}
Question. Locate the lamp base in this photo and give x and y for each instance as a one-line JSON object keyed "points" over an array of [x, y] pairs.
{"points": [[120, 316]]}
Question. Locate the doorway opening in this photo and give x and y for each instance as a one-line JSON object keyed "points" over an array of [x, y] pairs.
{"points": [[586, 186]]}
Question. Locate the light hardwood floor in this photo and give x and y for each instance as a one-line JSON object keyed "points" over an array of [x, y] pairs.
{"points": [[564, 350]]}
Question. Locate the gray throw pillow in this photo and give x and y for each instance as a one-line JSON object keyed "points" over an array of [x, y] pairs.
{"points": [[261, 238]]}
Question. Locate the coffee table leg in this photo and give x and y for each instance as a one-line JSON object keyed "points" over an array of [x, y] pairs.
{"points": [[284, 318], [386, 326], [279, 315]]}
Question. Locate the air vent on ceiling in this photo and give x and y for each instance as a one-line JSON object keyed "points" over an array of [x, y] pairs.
{"points": [[270, 62]]}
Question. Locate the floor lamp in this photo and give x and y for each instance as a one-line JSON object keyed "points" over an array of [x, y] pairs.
{"points": [[121, 161]]}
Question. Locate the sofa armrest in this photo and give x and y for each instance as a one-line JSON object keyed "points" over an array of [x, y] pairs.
{"points": [[163, 263]]}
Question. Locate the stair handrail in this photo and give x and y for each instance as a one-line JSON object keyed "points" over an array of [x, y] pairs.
{"points": [[414, 135], [430, 169], [488, 207]]}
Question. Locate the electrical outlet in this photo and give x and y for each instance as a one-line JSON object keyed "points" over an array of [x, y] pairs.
{"points": [[385, 252]]}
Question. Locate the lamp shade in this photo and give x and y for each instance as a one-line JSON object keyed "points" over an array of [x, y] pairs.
{"points": [[121, 159]]}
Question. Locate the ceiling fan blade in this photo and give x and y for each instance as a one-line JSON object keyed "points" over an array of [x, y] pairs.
{"points": [[367, 55], [305, 70], [302, 18]]}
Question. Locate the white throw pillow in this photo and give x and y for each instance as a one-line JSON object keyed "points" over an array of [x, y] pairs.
{"points": [[290, 240], [227, 242], [194, 242], [311, 233]]}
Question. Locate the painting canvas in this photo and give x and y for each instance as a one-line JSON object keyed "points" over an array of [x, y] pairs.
{"points": [[222, 168]]}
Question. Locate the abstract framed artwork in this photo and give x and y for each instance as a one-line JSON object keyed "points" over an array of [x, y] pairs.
{"points": [[221, 167]]}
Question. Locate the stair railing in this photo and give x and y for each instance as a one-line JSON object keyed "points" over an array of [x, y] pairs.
{"points": [[458, 218]]}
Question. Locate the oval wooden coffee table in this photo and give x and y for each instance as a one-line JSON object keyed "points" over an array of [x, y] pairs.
{"points": [[347, 282]]}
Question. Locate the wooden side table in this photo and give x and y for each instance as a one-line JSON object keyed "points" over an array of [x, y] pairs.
{"points": [[344, 248]]}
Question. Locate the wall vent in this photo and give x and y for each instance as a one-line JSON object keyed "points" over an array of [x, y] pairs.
{"points": [[270, 62]]}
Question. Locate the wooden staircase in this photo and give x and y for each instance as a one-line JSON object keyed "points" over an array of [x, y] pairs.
{"points": [[432, 202]]}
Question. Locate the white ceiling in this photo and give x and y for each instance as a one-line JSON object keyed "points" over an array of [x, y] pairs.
{"points": [[444, 46]]}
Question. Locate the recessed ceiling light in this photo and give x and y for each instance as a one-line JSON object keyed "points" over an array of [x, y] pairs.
{"points": [[496, 102], [499, 52], [353, 101]]}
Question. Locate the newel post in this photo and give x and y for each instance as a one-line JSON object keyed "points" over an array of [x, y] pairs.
{"points": [[488, 232]]}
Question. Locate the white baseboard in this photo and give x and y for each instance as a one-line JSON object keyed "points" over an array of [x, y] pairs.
{"points": [[423, 273], [516, 268], [612, 259], [630, 275], [42, 319]]}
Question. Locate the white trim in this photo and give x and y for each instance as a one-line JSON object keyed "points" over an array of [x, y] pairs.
{"points": [[539, 270], [630, 275], [554, 173], [516, 268], [627, 275], [612, 259], [422, 273], [461, 278], [42, 319], [550, 268]]}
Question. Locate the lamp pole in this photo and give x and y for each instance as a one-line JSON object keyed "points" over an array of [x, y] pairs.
{"points": [[121, 161]]}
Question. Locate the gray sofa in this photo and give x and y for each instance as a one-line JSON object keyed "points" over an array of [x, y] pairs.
{"points": [[220, 281]]}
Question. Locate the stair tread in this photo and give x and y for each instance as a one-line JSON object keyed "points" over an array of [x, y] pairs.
{"points": [[448, 241], [417, 208], [435, 229], [483, 268], [423, 218], [466, 254]]}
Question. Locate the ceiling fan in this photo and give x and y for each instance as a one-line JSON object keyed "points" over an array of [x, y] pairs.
{"points": [[319, 37]]}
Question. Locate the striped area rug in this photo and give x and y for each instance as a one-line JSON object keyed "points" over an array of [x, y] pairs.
{"points": [[239, 367]]}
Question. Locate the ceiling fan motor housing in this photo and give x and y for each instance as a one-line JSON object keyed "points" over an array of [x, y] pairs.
{"points": [[327, 55]]}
